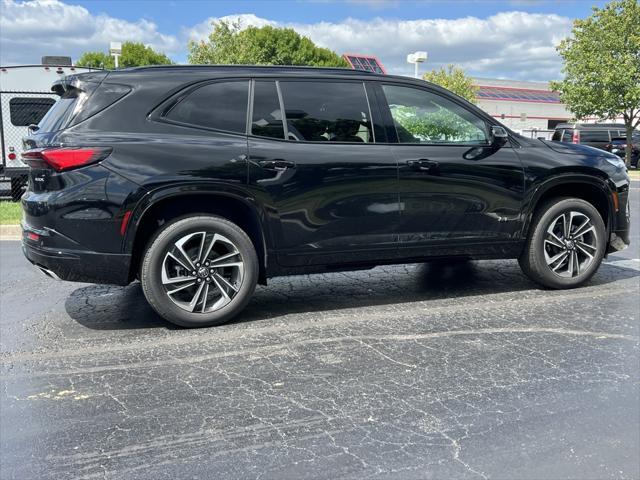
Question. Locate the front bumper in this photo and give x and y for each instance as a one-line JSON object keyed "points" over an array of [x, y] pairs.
{"points": [[75, 265]]}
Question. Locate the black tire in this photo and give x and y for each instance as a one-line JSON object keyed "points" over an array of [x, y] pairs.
{"points": [[533, 261], [152, 268]]}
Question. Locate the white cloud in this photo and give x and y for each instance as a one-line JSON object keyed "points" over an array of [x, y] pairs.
{"points": [[31, 29], [509, 44]]}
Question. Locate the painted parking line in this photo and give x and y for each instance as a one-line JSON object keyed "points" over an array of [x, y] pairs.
{"points": [[631, 263]]}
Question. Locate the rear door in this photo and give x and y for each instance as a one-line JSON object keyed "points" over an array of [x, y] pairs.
{"points": [[455, 187], [330, 189]]}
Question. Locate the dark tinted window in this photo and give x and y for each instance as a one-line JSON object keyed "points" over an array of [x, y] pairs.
{"points": [[557, 136], [267, 116], [567, 135], [594, 136], [425, 117], [327, 111], [221, 105], [25, 111]]}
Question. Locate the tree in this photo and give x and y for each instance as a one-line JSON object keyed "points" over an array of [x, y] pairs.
{"points": [[602, 65], [454, 79], [134, 54], [228, 43]]}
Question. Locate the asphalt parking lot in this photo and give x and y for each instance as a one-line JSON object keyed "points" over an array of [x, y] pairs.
{"points": [[418, 371]]}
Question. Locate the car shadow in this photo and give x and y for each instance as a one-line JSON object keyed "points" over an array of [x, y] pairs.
{"points": [[104, 307]]}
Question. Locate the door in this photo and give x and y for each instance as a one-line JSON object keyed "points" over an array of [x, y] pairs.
{"points": [[456, 187], [330, 191]]}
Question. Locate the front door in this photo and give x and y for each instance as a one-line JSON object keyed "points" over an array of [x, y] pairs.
{"points": [[456, 188], [330, 190]]}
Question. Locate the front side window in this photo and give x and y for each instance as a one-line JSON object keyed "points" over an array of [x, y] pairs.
{"points": [[424, 117], [220, 106], [326, 112], [25, 111], [267, 116]]}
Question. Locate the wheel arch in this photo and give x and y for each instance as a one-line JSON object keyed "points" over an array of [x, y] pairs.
{"points": [[592, 189], [162, 205]]}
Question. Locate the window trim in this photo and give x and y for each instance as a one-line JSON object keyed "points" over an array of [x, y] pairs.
{"points": [[384, 106], [278, 80], [159, 114]]}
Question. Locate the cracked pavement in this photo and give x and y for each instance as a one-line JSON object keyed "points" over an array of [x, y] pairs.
{"points": [[416, 371]]}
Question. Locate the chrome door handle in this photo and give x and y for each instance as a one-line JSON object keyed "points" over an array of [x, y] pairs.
{"points": [[276, 164]]}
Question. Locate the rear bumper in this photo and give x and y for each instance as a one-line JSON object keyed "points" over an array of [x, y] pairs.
{"points": [[76, 265]]}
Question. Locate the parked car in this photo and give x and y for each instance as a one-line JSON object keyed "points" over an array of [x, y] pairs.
{"points": [[596, 135], [202, 181], [618, 146]]}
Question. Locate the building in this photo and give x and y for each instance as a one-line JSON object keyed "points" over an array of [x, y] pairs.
{"points": [[526, 107]]}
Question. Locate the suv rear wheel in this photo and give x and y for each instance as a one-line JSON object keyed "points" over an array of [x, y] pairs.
{"points": [[566, 244], [199, 271]]}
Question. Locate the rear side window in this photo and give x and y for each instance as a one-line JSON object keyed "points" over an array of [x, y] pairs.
{"points": [[220, 106], [326, 112], [557, 136], [24, 111], [267, 118], [594, 136]]}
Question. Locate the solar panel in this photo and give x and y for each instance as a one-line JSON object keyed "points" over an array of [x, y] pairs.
{"points": [[366, 63], [518, 94]]}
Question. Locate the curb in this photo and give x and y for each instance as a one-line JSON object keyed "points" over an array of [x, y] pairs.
{"points": [[10, 232]]}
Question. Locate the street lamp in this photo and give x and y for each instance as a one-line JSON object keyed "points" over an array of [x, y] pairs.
{"points": [[115, 50], [416, 58]]}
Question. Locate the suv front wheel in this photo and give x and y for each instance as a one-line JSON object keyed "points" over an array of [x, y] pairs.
{"points": [[566, 243], [199, 271]]}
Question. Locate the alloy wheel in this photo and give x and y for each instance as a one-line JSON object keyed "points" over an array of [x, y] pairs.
{"points": [[570, 244], [202, 272]]}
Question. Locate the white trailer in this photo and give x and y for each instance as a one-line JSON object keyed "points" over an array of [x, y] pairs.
{"points": [[25, 97]]}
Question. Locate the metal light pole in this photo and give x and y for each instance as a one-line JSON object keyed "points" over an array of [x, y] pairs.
{"points": [[416, 58], [115, 50]]}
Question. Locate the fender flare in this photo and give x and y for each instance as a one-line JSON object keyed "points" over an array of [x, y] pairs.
{"points": [[184, 189], [533, 200]]}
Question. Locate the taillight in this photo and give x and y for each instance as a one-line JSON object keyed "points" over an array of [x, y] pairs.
{"points": [[61, 159], [576, 137]]}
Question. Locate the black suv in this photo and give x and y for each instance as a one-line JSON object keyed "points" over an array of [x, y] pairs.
{"points": [[203, 181], [618, 146], [597, 135]]}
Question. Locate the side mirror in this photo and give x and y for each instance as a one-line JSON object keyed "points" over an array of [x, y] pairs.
{"points": [[499, 136]]}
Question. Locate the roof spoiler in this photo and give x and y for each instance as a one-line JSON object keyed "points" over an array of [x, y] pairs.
{"points": [[79, 81], [64, 84]]}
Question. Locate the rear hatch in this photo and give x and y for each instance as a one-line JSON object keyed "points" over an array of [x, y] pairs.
{"points": [[48, 150]]}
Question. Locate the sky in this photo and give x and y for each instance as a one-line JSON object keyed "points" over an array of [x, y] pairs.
{"points": [[513, 39]]}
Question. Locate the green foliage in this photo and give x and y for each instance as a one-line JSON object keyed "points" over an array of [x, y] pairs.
{"points": [[10, 213], [229, 44], [455, 80], [441, 125], [602, 65], [134, 54]]}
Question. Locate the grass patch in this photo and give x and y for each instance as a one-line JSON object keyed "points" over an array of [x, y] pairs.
{"points": [[10, 213]]}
